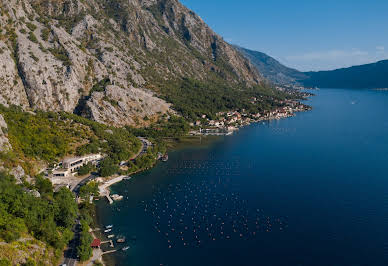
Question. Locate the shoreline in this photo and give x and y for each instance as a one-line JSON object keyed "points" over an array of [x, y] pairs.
{"points": [[105, 188]]}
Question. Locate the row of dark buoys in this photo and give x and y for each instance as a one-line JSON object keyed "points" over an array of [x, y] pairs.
{"points": [[219, 168], [194, 214]]}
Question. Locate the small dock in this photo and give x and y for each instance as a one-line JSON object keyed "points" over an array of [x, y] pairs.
{"points": [[104, 191], [109, 198], [109, 251], [110, 242]]}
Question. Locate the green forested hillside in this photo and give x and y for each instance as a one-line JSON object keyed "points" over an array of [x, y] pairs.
{"points": [[193, 98], [48, 218]]}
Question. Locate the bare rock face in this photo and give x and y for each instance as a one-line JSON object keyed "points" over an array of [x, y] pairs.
{"points": [[11, 86], [4, 142], [121, 107], [19, 174], [53, 52]]}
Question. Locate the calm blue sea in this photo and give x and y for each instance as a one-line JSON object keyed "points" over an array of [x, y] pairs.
{"points": [[308, 190]]}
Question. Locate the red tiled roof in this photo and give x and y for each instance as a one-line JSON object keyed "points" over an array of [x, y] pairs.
{"points": [[96, 243]]}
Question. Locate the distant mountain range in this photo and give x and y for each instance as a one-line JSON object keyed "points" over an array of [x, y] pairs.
{"points": [[373, 75], [272, 69]]}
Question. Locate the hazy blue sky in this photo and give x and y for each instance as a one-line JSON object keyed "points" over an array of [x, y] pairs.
{"points": [[304, 34]]}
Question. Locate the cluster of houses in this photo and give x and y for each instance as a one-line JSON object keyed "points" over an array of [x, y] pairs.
{"points": [[228, 122], [69, 166]]}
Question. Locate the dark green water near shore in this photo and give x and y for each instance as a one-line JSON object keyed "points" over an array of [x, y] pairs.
{"points": [[307, 190]]}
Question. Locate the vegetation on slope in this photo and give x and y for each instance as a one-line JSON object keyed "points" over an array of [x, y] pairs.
{"points": [[48, 136], [48, 218], [193, 98]]}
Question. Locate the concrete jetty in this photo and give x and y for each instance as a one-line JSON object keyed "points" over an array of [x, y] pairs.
{"points": [[109, 251], [104, 188]]}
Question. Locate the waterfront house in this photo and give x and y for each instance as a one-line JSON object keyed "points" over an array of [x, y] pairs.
{"points": [[96, 243]]}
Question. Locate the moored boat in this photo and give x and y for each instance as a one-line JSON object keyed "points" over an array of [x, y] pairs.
{"points": [[165, 158], [121, 240]]}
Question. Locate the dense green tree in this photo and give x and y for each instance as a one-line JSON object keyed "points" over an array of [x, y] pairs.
{"points": [[66, 208], [5, 262], [108, 167], [44, 186], [86, 169], [90, 189], [84, 250]]}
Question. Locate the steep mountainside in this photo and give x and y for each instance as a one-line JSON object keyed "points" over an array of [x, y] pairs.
{"points": [[272, 69], [370, 76], [108, 59]]}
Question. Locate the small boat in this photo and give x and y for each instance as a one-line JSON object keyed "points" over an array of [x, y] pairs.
{"points": [[109, 226], [111, 236], [125, 248], [165, 158], [121, 240], [107, 230]]}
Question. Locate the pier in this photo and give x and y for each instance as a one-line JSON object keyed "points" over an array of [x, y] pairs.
{"points": [[104, 191], [110, 242], [109, 251], [109, 198]]}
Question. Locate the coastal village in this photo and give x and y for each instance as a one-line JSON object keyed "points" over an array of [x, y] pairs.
{"points": [[228, 122]]}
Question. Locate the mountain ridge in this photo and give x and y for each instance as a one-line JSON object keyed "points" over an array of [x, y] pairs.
{"points": [[270, 68], [367, 76], [372, 75], [55, 54]]}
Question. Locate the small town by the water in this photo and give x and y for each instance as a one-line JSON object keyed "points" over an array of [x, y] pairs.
{"points": [[187, 133]]}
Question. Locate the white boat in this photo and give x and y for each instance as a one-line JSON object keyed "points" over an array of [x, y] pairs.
{"points": [[111, 236], [125, 248], [107, 230], [109, 226]]}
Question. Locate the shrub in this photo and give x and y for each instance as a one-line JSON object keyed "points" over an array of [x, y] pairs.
{"points": [[32, 37], [31, 26]]}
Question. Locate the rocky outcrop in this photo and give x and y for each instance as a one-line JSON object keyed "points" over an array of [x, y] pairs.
{"points": [[11, 86], [4, 142], [54, 52], [19, 174], [121, 107]]}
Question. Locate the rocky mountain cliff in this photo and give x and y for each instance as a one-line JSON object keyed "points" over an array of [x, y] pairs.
{"points": [[108, 59]]}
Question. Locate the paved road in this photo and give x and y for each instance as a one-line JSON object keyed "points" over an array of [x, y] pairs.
{"points": [[71, 252], [77, 187], [146, 145]]}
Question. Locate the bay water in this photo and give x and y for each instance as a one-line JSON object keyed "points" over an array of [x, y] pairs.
{"points": [[307, 190]]}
